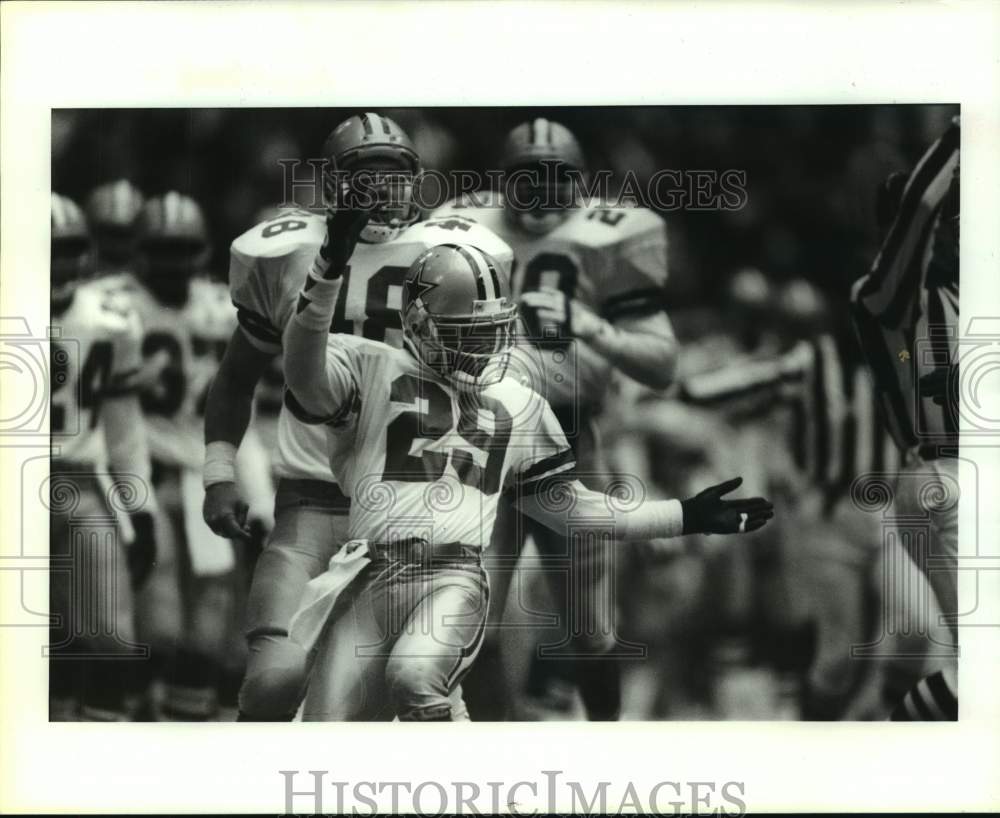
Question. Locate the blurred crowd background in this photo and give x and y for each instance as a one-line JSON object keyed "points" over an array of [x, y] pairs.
{"points": [[811, 170], [761, 631]]}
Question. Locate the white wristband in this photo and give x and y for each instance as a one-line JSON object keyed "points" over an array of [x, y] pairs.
{"points": [[658, 519], [220, 463], [317, 301]]}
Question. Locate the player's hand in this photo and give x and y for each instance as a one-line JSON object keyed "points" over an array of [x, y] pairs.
{"points": [[556, 315], [708, 513], [343, 228], [254, 546], [225, 511], [141, 554]]}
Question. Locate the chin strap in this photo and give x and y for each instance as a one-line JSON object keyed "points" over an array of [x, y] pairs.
{"points": [[379, 233]]}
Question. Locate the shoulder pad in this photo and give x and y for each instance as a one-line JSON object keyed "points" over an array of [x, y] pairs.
{"points": [[463, 230], [267, 266], [281, 236], [598, 224]]}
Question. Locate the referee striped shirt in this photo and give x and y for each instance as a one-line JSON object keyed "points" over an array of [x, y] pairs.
{"points": [[906, 308]]}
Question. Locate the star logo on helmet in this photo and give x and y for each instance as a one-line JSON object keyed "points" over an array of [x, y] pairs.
{"points": [[416, 287]]}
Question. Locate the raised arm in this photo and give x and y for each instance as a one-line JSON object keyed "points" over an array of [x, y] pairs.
{"points": [[319, 392], [563, 499]]}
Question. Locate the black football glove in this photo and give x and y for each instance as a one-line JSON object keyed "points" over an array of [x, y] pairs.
{"points": [[708, 513], [142, 551], [343, 228]]}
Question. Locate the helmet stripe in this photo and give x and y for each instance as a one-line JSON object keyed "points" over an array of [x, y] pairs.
{"points": [[169, 210], [118, 193], [367, 125], [494, 277], [477, 271], [489, 283], [538, 127], [385, 126]]}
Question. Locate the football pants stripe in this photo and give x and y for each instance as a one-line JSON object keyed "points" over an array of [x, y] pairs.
{"points": [[464, 660]]}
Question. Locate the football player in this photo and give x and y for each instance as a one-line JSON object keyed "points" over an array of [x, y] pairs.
{"points": [[187, 318], [808, 414], [268, 266], [112, 210], [96, 428], [589, 277], [425, 439]]}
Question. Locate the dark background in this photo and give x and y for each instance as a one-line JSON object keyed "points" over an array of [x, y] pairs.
{"points": [[811, 170]]}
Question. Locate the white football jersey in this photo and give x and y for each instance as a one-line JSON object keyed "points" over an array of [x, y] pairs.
{"points": [[420, 459], [268, 266], [613, 259], [181, 351], [94, 352]]}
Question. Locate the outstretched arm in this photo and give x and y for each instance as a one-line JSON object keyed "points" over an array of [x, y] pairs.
{"points": [[705, 513]]}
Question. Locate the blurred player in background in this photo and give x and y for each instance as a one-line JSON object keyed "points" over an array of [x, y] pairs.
{"points": [[589, 277], [906, 312], [671, 598], [112, 211], [820, 591], [190, 605], [268, 266], [812, 580], [98, 438]]}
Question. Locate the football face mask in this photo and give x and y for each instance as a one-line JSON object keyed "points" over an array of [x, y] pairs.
{"points": [[168, 265], [371, 165], [172, 247], [386, 194], [473, 355], [457, 315], [539, 199], [540, 158], [112, 211], [70, 250], [70, 259]]}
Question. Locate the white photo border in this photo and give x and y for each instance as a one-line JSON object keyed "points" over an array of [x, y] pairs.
{"points": [[249, 54]]}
